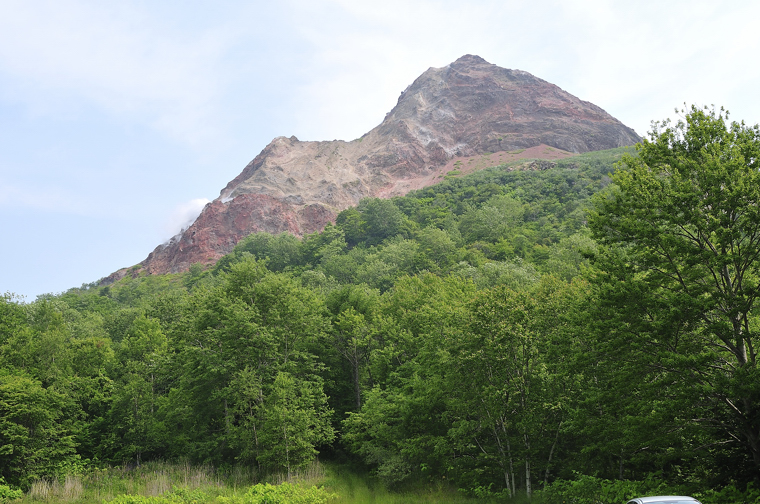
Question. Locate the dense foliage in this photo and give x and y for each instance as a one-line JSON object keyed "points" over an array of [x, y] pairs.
{"points": [[473, 333], [265, 493], [681, 236]]}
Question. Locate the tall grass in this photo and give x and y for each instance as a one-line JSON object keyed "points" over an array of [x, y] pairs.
{"points": [[70, 489], [158, 478], [149, 479], [353, 488], [313, 474]]}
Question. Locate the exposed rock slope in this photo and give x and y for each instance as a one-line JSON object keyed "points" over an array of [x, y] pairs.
{"points": [[468, 108]]}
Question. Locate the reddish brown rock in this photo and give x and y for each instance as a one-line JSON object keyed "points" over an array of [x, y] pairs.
{"points": [[468, 110], [222, 224]]}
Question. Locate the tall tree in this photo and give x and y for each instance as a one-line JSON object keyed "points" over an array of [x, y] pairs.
{"points": [[135, 428], [297, 420], [34, 441], [242, 336], [402, 425], [681, 266], [515, 381]]}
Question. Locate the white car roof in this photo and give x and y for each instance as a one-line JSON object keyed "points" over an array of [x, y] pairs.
{"points": [[665, 498]]}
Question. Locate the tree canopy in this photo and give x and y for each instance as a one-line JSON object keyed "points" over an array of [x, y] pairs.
{"points": [[500, 332], [680, 273]]}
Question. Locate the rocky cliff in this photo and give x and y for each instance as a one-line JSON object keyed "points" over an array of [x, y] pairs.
{"points": [[467, 111]]}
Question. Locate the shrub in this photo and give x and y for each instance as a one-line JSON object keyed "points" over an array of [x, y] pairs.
{"points": [[592, 490], [285, 493], [7, 493]]}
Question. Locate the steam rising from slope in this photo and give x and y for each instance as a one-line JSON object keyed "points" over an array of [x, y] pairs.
{"points": [[183, 216]]}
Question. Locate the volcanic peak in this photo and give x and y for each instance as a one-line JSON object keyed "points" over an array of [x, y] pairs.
{"points": [[467, 108]]}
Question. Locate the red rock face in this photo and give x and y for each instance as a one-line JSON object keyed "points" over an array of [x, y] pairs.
{"points": [[221, 225], [468, 108]]}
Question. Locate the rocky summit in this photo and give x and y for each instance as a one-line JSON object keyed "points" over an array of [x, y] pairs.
{"points": [[467, 114]]}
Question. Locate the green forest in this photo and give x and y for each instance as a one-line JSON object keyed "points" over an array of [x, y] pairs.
{"points": [[580, 331]]}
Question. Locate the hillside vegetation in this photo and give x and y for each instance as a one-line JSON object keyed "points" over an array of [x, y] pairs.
{"points": [[506, 333]]}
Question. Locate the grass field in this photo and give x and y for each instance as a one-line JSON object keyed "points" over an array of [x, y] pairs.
{"points": [[150, 481]]}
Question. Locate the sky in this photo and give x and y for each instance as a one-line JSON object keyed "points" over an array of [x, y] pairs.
{"points": [[120, 120]]}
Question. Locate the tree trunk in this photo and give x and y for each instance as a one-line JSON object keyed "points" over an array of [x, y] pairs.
{"points": [[287, 449], [528, 486], [357, 384], [551, 453], [504, 457], [511, 467], [620, 466]]}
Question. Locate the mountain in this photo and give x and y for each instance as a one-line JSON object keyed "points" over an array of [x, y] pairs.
{"points": [[467, 115]]}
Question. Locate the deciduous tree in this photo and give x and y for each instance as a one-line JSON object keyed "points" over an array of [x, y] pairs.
{"points": [[681, 267]]}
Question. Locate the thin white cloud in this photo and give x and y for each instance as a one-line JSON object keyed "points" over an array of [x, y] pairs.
{"points": [[641, 61], [15, 196], [113, 55], [629, 58]]}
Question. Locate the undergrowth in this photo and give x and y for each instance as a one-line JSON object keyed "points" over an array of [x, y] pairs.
{"points": [[182, 483]]}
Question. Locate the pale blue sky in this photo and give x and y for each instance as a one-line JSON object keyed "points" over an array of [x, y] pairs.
{"points": [[118, 119]]}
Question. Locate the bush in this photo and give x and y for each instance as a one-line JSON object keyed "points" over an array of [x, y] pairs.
{"points": [[176, 496], [730, 495], [285, 493], [7, 493], [592, 490]]}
